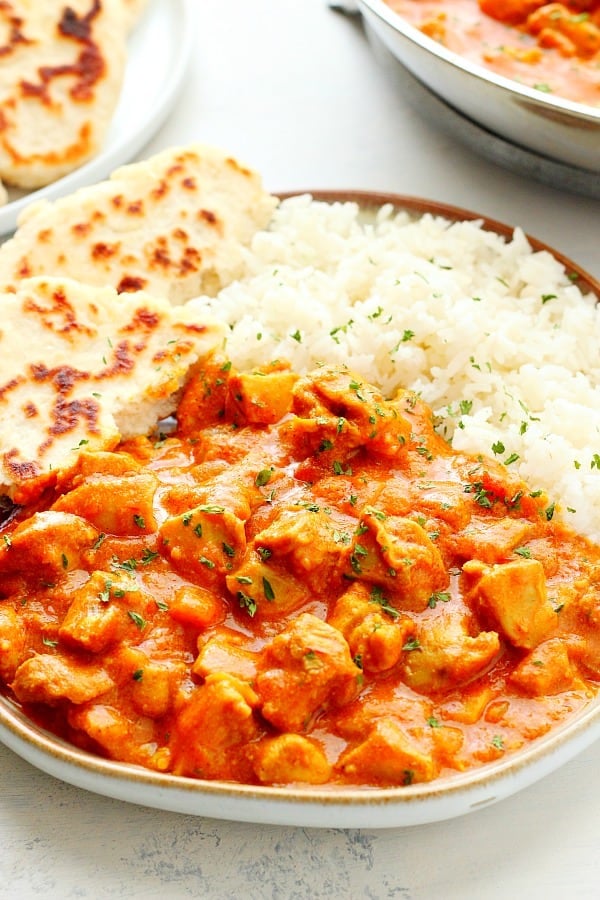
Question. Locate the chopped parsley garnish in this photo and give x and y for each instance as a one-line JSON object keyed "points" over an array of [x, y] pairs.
{"points": [[412, 644], [377, 596], [137, 619], [268, 590], [438, 597], [263, 477], [247, 602]]}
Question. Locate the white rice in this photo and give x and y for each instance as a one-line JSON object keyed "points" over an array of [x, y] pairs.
{"points": [[494, 336]]}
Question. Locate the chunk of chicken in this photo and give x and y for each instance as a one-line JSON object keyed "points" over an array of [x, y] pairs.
{"points": [[153, 683], [224, 652], [217, 717], [315, 546], [375, 632], [513, 597], [290, 758], [513, 12], [114, 504], [47, 545], [196, 607], [444, 500], [45, 678], [397, 554], [546, 670], [263, 396], [492, 540], [388, 756], [208, 538], [336, 412], [305, 669], [266, 589], [555, 25], [126, 739], [99, 613], [203, 400], [445, 655]]}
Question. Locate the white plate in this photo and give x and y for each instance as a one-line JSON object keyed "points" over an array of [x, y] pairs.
{"points": [[445, 798], [159, 51]]}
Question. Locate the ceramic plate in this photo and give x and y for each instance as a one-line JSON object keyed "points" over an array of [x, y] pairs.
{"points": [[417, 804], [159, 51]]}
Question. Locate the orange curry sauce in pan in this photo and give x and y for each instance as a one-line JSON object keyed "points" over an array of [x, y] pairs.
{"points": [[553, 47], [302, 583]]}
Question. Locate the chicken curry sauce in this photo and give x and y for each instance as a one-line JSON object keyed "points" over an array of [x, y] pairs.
{"points": [[301, 583], [553, 47]]}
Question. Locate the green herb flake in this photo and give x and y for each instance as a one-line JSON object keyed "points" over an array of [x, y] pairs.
{"points": [[377, 596], [525, 552], [412, 644], [137, 619], [438, 597], [268, 590], [148, 556], [247, 602]]}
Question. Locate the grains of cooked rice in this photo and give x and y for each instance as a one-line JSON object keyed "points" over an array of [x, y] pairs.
{"points": [[493, 335]]}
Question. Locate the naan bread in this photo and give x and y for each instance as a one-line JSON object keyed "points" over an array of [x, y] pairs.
{"points": [[61, 73], [78, 369], [174, 225]]}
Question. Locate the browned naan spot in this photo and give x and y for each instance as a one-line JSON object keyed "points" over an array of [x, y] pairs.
{"points": [[20, 471], [16, 37], [130, 284], [59, 316], [88, 68], [102, 250]]}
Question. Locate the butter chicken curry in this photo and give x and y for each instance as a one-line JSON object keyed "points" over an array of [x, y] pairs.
{"points": [[553, 47], [301, 583]]}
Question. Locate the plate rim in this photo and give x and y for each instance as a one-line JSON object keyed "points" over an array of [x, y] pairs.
{"points": [[319, 807], [127, 145]]}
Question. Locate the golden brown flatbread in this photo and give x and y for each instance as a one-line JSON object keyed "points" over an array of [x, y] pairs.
{"points": [[174, 225], [61, 72], [80, 370]]}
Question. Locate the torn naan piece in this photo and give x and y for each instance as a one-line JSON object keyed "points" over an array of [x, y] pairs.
{"points": [[80, 370], [61, 72], [174, 225]]}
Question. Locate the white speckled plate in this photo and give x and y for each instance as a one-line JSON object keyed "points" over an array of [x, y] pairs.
{"points": [[417, 804], [159, 51]]}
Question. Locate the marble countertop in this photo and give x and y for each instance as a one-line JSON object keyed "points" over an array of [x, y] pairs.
{"points": [[294, 89]]}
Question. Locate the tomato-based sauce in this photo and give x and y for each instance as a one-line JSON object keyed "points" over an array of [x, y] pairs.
{"points": [[302, 583], [553, 47]]}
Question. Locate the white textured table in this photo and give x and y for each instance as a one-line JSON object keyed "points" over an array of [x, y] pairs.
{"points": [[293, 89]]}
